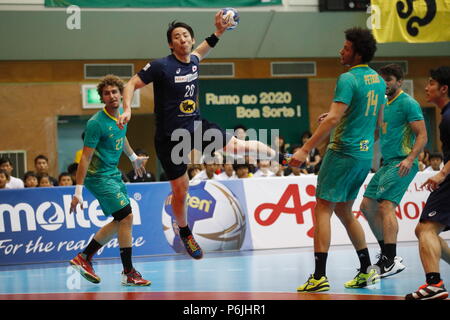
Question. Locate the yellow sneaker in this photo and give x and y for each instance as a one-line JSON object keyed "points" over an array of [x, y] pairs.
{"points": [[313, 285], [362, 280]]}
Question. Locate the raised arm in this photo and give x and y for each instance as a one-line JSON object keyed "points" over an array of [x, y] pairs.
{"points": [[131, 86], [206, 45]]}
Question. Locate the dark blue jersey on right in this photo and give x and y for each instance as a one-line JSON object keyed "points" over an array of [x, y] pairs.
{"points": [[175, 87], [444, 129]]}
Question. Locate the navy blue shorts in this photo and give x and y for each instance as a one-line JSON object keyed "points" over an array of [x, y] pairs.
{"points": [[437, 207], [174, 155]]}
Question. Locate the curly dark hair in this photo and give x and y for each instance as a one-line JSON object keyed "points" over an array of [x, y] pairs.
{"points": [[391, 70], [109, 80], [363, 42], [442, 76]]}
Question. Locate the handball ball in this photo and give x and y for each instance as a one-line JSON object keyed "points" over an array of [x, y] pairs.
{"points": [[230, 14]]}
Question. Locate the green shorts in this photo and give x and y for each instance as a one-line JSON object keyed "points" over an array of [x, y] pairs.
{"points": [[110, 191], [386, 184], [341, 176]]}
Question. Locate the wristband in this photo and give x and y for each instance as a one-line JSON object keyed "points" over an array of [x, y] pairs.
{"points": [[78, 190], [212, 40], [133, 157]]}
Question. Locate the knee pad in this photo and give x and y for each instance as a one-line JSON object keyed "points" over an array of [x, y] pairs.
{"points": [[122, 213]]}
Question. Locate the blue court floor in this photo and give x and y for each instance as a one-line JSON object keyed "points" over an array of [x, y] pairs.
{"points": [[263, 274]]}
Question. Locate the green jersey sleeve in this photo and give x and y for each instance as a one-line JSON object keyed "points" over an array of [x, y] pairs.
{"points": [[345, 88]]}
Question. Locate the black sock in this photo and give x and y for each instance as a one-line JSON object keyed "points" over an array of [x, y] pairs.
{"points": [[433, 277], [125, 255], [185, 231], [381, 243], [364, 259], [390, 251], [321, 264], [91, 249]]}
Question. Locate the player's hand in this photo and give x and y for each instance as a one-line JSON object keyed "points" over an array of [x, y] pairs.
{"points": [[138, 166], [322, 117], [404, 167], [298, 158], [123, 119], [221, 24], [433, 183], [75, 201]]}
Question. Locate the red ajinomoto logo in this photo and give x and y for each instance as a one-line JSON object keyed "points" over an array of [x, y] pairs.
{"points": [[291, 192]]}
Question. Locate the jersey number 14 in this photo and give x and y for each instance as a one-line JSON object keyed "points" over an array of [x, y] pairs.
{"points": [[372, 101]]}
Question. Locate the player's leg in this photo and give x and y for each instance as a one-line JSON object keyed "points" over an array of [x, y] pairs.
{"points": [[369, 208], [124, 221], [366, 275], [180, 187], [318, 281], [430, 253]]}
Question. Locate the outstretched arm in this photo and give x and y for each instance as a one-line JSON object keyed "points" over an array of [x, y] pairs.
{"points": [[221, 26], [333, 117], [131, 86]]}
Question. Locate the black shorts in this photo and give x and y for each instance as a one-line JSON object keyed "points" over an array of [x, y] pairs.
{"points": [[437, 207], [174, 155]]}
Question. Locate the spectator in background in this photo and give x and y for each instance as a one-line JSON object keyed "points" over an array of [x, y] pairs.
{"points": [[193, 170], [424, 159], [4, 177], [242, 170], [436, 159], [41, 166], [13, 182], [65, 179], [240, 132], [72, 170], [79, 152], [147, 176], [263, 169], [30, 179], [281, 144], [313, 157], [209, 173], [228, 170], [45, 181]]}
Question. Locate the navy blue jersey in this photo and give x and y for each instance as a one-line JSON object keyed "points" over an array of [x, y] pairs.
{"points": [[175, 87], [444, 129]]}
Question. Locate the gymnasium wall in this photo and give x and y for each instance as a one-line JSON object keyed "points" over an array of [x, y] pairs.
{"points": [[34, 93]]}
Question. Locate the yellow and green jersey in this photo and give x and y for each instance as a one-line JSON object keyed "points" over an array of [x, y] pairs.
{"points": [[363, 91], [107, 139], [396, 137]]}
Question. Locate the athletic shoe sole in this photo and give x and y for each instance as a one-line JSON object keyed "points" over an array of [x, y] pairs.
{"points": [[85, 275]]}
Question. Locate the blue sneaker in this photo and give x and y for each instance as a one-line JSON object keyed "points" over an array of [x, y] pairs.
{"points": [[192, 247]]}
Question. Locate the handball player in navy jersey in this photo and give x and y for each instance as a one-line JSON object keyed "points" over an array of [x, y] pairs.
{"points": [[179, 126]]}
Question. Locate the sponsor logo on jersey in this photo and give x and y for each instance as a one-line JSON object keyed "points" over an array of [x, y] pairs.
{"points": [[178, 71], [432, 214], [364, 145], [187, 106], [187, 78], [194, 68], [146, 67]]}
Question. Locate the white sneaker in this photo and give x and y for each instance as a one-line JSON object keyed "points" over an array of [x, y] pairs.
{"points": [[396, 267]]}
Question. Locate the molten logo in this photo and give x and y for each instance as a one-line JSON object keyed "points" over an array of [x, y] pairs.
{"points": [[276, 209], [51, 216]]}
